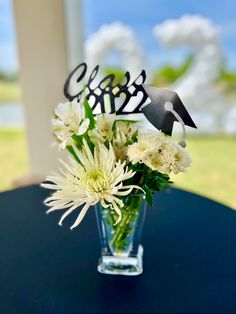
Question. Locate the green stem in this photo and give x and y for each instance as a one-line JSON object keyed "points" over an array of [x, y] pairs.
{"points": [[122, 230]]}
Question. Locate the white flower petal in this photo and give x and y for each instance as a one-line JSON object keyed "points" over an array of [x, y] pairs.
{"points": [[69, 211], [83, 126], [70, 120], [81, 215], [99, 179]]}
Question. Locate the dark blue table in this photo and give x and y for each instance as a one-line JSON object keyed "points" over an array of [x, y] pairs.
{"points": [[189, 260]]}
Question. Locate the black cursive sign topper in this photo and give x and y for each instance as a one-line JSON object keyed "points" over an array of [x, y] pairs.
{"points": [[106, 91], [100, 94]]}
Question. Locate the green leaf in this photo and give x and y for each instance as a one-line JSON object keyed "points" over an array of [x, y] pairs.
{"points": [[90, 144], [78, 140], [89, 114], [148, 195], [127, 121], [71, 150]]}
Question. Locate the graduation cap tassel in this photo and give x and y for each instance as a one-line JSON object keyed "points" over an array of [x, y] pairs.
{"points": [[169, 107]]}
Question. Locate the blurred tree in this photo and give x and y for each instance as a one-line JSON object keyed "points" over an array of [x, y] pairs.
{"points": [[227, 81], [7, 76], [169, 74], [119, 74]]}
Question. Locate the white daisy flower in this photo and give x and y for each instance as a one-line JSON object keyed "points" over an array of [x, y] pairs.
{"points": [[182, 160], [155, 161], [147, 142], [69, 120], [99, 178], [159, 153], [137, 151], [160, 158], [169, 157]]}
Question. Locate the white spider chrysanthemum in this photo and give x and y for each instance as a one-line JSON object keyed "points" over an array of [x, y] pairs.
{"points": [[69, 120], [99, 178]]}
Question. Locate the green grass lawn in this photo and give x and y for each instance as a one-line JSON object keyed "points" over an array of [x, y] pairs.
{"points": [[213, 171], [9, 91], [13, 156]]}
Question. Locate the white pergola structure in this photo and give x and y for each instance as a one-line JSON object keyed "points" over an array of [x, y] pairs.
{"points": [[50, 43]]}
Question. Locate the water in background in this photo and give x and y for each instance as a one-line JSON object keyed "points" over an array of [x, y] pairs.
{"points": [[11, 114]]}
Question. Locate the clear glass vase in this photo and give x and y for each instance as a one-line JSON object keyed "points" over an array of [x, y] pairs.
{"points": [[121, 251]]}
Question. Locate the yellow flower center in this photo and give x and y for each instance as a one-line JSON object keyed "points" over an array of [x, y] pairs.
{"points": [[95, 175], [106, 128], [178, 157], [156, 162], [142, 147], [96, 181]]}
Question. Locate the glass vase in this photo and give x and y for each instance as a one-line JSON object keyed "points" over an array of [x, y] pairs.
{"points": [[121, 251]]}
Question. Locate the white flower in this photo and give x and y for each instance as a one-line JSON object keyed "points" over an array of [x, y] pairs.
{"points": [[160, 158], [69, 120], [182, 160], [99, 178], [119, 145], [122, 136], [172, 157], [103, 131], [156, 162], [154, 137], [139, 151], [159, 153], [127, 128]]}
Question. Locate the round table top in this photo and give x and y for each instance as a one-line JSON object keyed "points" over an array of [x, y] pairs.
{"points": [[189, 259]]}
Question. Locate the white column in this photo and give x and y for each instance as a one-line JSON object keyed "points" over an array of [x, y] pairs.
{"points": [[74, 32], [42, 49]]}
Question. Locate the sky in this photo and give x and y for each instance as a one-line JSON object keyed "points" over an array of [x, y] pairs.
{"points": [[8, 51], [141, 16]]}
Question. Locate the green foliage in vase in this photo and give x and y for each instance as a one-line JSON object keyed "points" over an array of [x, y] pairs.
{"points": [[123, 232], [150, 181]]}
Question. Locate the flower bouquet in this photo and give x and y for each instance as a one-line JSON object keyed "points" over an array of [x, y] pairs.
{"points": [[116, 166]]}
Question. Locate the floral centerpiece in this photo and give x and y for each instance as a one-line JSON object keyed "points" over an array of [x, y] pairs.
{"points": [[116, 166]]}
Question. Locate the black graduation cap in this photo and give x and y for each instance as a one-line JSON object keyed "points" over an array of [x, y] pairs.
{"points": [[157, 113]]}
